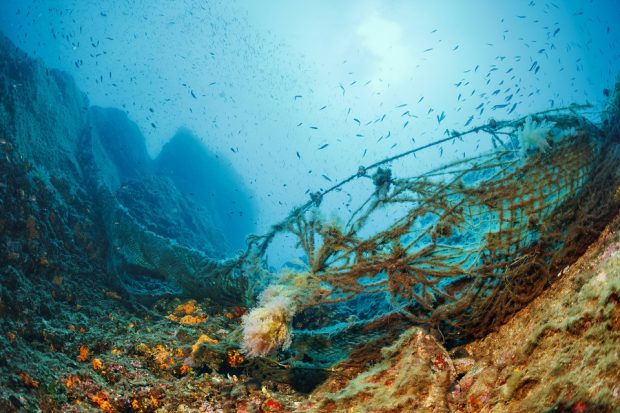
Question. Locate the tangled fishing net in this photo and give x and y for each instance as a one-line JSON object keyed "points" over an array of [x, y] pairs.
{"points": [[457, 248]]}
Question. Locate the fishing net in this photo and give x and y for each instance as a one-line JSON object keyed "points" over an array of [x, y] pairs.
{"points": [[150, 265], [457, 248]]}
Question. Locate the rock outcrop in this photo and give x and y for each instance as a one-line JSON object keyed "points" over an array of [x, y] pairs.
{"points": [[81, 194]]}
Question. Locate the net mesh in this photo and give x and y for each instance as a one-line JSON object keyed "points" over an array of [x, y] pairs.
{"points": [[466, 244], [150, 266]]}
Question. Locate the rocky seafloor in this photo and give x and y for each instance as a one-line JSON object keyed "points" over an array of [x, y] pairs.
{"points": [[95, 314]]}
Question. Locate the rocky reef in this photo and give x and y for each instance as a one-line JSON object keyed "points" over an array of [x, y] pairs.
{"points": [[561, 353], [89, 228], [117, 295]]}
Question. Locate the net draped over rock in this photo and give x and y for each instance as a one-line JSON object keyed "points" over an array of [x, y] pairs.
{"points": [[468, 243]]}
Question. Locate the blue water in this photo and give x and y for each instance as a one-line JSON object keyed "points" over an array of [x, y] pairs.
{"points": [[289, 98]]}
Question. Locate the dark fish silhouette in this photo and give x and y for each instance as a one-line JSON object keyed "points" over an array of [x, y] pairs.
{"points": [[441, 117]]}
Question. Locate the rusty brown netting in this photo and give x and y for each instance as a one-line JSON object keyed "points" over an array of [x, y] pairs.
{"points": [[467, 243]]}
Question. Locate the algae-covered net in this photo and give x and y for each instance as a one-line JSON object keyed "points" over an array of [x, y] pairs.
{"points": [[457, 248]]}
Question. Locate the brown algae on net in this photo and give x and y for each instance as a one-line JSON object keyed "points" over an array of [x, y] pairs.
{"points": [[476, 239]]}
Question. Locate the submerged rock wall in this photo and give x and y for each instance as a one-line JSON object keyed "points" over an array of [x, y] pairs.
{"points": [[71, 175]]}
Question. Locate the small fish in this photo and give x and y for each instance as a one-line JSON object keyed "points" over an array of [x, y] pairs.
{"points": [[193, 94], [405, 125], [512, 108], [469, 120], [357, 120], [401, 106], [153, 125], [428, 50], [323, 107], [455, 47], [359, 135], [300, 123], [479, 106], [297, 97], [323, 146], [151, 110], [441, 117], [314, 127], [421, 99], [499, 106], [556, 31], [298, 155], [342, 88], [326, 177]]}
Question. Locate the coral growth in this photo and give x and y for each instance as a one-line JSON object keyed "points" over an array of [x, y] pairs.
{"points": [[268, 326], [538, 136], [533, 135]]}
